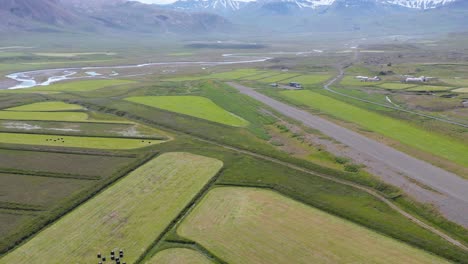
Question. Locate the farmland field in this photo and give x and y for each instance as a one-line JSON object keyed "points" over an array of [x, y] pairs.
{"points": [[46, 106], [50, 116], [276, 229], [260, 75], [196, 106], [67, 163], [80, 86], [406, 133], [456, 81], [179, 256], [227, 75], [81, 128], [37, 190], [54, 116], [461, 90], [430, 88], [74, 141], [278, 78], [352, 81], [310, 79], [11, 221], [396, 86], [130, 214]]}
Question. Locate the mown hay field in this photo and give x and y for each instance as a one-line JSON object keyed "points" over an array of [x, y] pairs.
{"points": [[75, 141], [46, 106], [402, 131], [195, 106], [179, 256], [247, 225], [131, 214]]}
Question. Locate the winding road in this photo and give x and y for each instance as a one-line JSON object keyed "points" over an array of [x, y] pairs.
{"points": [[444, 182]]}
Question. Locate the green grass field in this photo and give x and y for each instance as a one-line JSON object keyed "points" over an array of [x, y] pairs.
{"points": [[46, 106], [395, 86], [429, 88], [278, 78], [129, 215], [196, 106], [276, 229], [352, 81], [456, 81], [49, 116], [260, 75], [227, 75], [58, 116], [75, 142], [80, 86], [310, 79], [402, 131], [179, 256], [461, 90]]}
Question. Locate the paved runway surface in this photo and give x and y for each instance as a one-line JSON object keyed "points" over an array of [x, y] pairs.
{"points": [[445, 182]]}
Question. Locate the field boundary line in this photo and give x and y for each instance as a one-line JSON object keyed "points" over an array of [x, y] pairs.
{"points": [[351, 184], [49, 174]]}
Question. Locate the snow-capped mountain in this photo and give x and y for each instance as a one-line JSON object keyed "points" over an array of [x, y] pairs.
{"points": [[227, 6], [222, 6], [420, 4]]}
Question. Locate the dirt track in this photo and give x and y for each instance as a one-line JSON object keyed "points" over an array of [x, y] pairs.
{"points": [[444, 182]]}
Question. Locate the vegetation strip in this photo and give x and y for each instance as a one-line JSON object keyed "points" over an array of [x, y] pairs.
{"points": [[154, 194], [21, 207]]}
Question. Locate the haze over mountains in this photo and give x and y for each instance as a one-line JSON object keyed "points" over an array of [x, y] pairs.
{"points": [[203, 16]]}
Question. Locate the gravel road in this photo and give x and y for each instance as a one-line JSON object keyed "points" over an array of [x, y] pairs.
{"points": [[444, 182]]}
